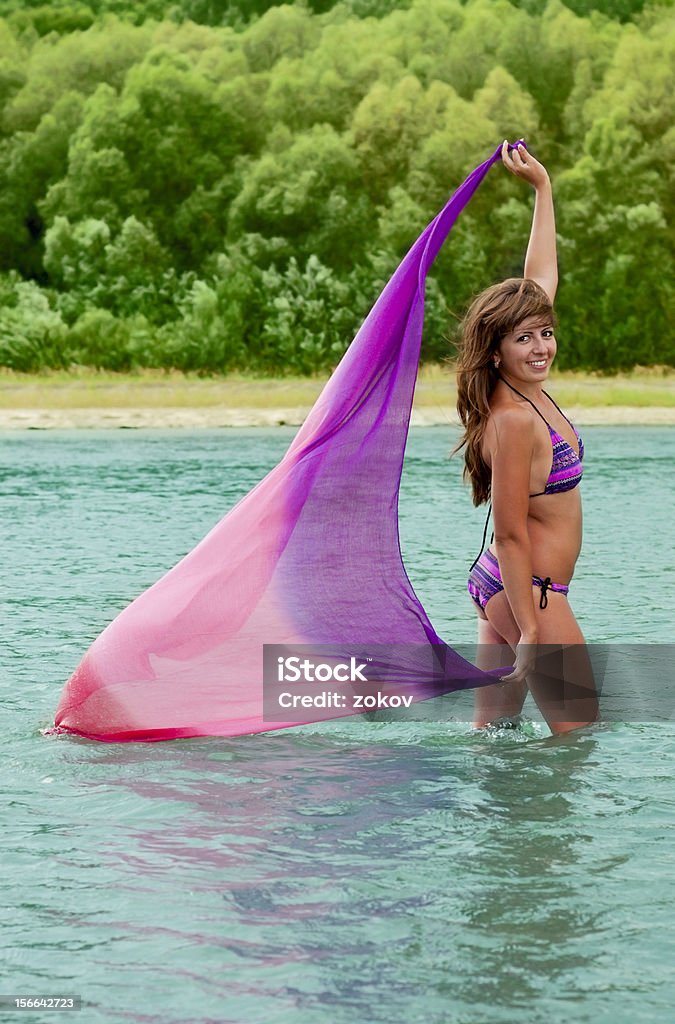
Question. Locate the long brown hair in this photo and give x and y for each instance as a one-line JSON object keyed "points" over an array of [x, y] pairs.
{"points": [[491, 315]]}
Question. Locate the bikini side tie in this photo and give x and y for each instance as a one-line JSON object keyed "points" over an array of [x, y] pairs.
{"points": [[545, 585]]}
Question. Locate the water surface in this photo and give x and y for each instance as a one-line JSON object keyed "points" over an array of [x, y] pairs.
{"points": [[354, 871]]}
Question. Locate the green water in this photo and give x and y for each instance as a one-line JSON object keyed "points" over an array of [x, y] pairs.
{"points": [[354, 871]]}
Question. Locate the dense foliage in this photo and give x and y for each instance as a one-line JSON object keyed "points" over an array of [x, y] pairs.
{"points": [[233, 194]]}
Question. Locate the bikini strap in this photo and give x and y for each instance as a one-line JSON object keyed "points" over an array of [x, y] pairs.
{"points": [[482, 546], [559, 410], [532, 403]]}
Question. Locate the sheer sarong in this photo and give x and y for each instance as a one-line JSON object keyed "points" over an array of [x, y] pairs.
{"points": [[310, 556]]}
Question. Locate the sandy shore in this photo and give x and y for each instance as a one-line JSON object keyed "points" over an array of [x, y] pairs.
{"points": [[89, 399], [217, 416]]}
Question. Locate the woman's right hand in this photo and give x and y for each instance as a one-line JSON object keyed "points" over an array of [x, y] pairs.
{"points": [[526, 659]]}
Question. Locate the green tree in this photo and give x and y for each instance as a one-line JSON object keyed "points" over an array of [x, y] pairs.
{"points": [[308, 193], [33, 162], [77, 61], [287, 31], [32, 334], [207, 197], [75, 254]]}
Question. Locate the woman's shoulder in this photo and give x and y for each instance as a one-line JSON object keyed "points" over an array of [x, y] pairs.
{"points": [[504, 411], [509, 426], [509, 414]]}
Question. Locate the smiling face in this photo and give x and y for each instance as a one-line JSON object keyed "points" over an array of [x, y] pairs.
{"points": [[526, 352]]}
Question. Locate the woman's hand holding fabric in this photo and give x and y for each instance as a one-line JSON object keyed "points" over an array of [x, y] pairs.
{"points": [[525, 663], [519, 161]]}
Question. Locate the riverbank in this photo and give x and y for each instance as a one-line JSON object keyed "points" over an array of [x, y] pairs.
{"points": [[87, 399]]}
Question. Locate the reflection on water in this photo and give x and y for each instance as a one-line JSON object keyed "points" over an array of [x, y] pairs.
{"points": [[353, 873], [314, 861]]}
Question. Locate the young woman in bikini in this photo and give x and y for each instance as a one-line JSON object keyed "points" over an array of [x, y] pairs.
{"points": [[524, 455]]}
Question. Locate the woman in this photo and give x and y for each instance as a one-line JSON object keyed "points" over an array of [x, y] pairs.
{"points": [[525, 455]]}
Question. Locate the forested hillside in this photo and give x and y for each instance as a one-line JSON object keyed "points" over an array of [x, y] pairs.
{"points": [[210, 185]]}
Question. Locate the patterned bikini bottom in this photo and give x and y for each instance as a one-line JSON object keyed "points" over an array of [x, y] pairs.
{"points": [[485, 581]]}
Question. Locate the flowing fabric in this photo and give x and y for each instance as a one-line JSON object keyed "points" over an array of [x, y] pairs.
{"points": [[310, 556]]}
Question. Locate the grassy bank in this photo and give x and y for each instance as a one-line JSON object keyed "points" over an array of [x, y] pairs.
{"points": [[150, 389]]}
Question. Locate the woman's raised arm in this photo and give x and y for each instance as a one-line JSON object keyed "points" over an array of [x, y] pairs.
{"points": [[541, 261]]}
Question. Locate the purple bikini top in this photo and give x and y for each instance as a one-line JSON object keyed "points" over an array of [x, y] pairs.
{"points": [[566, 468]]}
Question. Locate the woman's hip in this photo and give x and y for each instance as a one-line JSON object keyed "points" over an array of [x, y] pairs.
{"points": [[485, 580]]}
